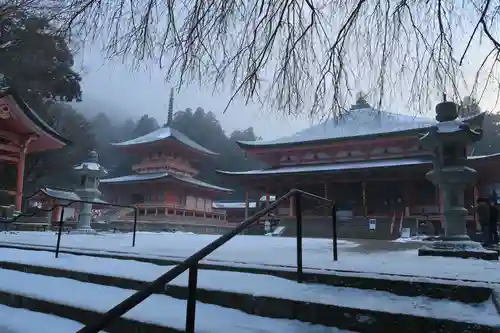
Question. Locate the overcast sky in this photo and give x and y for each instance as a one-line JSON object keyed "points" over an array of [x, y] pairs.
{"points": [[113, 85], [144, 91]]}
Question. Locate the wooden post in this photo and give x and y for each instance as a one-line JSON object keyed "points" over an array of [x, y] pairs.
{"points": [[365, 212], [246, 203], [408, 202], [20, 177]]}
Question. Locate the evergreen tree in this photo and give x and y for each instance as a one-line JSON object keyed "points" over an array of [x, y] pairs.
{"points": [[37, 62]]}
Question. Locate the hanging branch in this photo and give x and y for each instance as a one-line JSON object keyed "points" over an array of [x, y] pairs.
{"points": [[300, 55]]}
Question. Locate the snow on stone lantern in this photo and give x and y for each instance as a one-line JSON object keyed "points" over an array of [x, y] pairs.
{"points": [[90, 172], [449, 139]]}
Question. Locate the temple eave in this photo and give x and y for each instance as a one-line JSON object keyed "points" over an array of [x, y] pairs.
{"points": [[346, 166], [43, 136], [251, 145]]}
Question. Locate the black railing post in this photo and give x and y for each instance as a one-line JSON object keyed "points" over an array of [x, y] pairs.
{"points": [[135, 226], [298, 214], [59, 231], [334, 232], [191, 301]]}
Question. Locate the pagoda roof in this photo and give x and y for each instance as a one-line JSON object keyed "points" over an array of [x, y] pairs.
{"points": [[359, 123], [162, 134], [25, 122], [148, 177], [344, 166]]}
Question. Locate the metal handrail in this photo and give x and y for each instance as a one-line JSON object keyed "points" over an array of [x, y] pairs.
{"points": [[191, 263]]}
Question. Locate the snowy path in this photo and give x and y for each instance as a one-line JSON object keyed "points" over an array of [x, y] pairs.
{"points": [[264, 285], [279, 251], [14, 320], [157, 309]]}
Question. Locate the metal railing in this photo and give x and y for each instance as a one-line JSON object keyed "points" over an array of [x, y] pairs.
{"points": [[191, 264], [61, 220], [68, 203]]}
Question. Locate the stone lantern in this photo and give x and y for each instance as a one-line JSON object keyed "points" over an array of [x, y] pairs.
{"points": [[449, 139], [90, 172]]}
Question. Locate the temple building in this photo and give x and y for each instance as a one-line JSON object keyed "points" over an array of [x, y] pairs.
{"points": [[22, 132], [164, 184], [371, 163]]}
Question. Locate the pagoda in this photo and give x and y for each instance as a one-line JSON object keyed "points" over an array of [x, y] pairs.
{"points": [[372, 163], [164, 182]]}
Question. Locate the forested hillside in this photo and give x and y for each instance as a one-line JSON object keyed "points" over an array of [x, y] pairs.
{"points": [[202, 127]]}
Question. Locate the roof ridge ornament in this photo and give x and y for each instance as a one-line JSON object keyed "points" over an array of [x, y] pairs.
{"points": [[446, 110], [361, 102], [170, 108], [92, 156]]}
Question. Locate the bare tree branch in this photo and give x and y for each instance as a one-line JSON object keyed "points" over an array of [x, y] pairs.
{"points": [[303, 56]]}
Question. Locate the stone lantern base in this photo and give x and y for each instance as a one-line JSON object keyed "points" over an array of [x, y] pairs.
{"points": [[87, 231], [457, 247]]}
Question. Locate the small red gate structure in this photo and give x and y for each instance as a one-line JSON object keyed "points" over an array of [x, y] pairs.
{"points": [[23, 132]]}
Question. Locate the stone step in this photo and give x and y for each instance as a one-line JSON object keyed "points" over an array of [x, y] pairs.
{"points": [[346, 308], [85, 302], [19, 320], [456, 290]]}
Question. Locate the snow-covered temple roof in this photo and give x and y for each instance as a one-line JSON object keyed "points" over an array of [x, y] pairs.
{"points": [[330, 167], [233, 205], [358, 122], [344, 166], [67, 195], [145, 177], [240, 204], [165, 133]]}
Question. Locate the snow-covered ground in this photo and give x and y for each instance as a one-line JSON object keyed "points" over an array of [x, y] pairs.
{"points": [[412, 239], [253, 284], [279, 251]]}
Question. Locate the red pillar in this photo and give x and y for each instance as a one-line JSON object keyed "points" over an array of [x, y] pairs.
{"points": [[20, 178], [363, 189], [56, 214], [408, 198]]}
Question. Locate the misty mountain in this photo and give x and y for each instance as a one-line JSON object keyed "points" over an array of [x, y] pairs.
{"points": [[91, 106]]}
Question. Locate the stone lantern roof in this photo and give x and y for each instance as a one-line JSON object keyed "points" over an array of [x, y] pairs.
{"points": [[91, 166]]}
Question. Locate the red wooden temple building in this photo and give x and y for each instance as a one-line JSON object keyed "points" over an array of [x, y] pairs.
{"points": [[164, 184], [370, 162], [22, 132]]}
